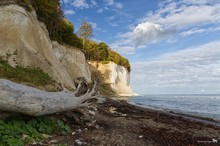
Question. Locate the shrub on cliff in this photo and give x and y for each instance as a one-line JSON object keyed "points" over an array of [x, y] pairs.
{"points": [[33, 76], [101, 52], [50, 13], [60, 29]]}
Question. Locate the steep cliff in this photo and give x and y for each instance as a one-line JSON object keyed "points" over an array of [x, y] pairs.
{"points": [[114, 75], [73, 60], [25, 41]]}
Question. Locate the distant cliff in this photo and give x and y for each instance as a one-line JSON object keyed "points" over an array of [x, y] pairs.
{"points": [[114, 75]]}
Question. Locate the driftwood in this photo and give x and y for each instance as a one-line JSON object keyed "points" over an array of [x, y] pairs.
{"points": [[27, 100]]}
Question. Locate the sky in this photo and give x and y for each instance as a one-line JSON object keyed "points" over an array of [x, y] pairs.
{"points": [[173, 45]]}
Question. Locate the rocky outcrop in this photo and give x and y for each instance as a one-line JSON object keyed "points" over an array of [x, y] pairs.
{"points": [[73, 60], [114, 75], [25, 41]]}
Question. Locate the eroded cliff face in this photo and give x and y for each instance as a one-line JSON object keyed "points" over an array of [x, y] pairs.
{"points": [[73, 60], [115, 75], [25, 41]]}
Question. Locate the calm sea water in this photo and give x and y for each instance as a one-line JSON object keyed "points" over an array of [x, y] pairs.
{"points": [[201, 105]]}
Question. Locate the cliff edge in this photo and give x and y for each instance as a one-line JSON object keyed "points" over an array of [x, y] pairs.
{"points": [[24, 41]]}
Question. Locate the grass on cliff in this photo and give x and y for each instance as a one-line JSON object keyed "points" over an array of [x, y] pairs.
{"points": [[31, 76]]}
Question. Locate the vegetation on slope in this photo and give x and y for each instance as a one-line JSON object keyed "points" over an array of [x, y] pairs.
{"points": [[101, 52], [32, 76], [61, 30]]}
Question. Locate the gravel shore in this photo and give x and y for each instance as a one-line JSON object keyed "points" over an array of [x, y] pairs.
{"points": [[118, 123]]}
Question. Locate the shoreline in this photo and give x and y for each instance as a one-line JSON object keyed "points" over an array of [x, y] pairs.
{"points": [[123, 124], [213, 118], [190, 116]]}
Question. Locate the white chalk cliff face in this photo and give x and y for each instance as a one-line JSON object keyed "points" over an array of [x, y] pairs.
{"points": [[115, 75], [25, 41], [73, 60]]}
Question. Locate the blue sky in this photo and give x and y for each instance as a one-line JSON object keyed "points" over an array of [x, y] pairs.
{"points": [[172, 45]]}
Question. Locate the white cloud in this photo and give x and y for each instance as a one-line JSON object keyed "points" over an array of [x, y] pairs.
{"points": [[192, 31], [80, 4], [215, 29], [186, 17], [118, 5], [113, 20], [114, 4], [69, 12], [188, 71], [199, 2], [109, 2], [122, 49], [144, 33], [195, 1], [93, 3], [171, 40], [180, 17], [198, 31], [85, 4]]}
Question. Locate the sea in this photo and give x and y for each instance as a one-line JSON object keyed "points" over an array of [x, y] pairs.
{"points": [[207, 106]]}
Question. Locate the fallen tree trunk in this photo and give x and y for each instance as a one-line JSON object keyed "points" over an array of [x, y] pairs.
{"points": [[34, 102]]}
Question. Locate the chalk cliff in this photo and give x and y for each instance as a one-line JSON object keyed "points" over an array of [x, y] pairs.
{"points": [[73, 60], [25, 41], [114, 75]]}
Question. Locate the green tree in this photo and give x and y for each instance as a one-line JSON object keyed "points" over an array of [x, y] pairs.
{"points": [[90, 50], [85, 31], [49, 12], [103, 49]]}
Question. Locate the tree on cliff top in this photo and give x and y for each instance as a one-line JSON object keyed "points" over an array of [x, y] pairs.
{"points": [[85, 31], [50, 13]]}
